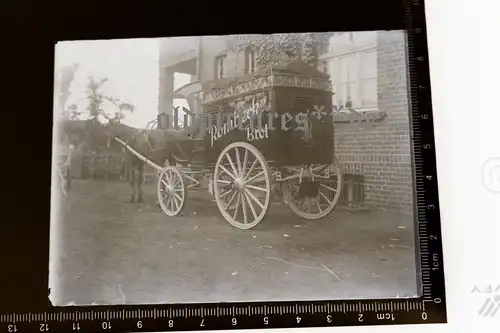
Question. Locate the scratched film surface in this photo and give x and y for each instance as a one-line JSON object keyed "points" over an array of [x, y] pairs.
{"points": [[301, 190]]}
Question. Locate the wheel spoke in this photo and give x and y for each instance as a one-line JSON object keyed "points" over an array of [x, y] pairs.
{"points": [[167, 175], [319, 207], [244, 208], [252, 208], [256, 188], [250, 194], [177, 183], [233, 176], [175, 204], [254, 177], [250, 170], [237, 206], [178, 197], [328, 187], [231, 200], [226, 193], [164, 182], [244, 166], [238, 161], [231, 163], [225, 182], [172, 204], [324, 197]]}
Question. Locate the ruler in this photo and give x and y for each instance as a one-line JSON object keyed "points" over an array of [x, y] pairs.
{"points": [[227, 316]]}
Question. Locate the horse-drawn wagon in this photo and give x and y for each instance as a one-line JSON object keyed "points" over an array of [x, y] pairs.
{"points": [[271, 128]]}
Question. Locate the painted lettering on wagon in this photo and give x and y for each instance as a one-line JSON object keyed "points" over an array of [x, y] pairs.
{"points": [[257, 133], [252, 133]]}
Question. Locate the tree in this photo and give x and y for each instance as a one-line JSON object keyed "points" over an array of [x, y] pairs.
{"points": [[72, 112], [63, 79], [281, 48], [95, 98], [121, 106], [97, 138]]}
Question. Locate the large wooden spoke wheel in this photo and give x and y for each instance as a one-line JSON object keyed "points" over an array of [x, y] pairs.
{"points": [[324, 196], [171, 191], [242, 185]]}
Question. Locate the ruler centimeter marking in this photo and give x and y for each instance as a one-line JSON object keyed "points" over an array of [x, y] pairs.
{"points": [[246, 310]]}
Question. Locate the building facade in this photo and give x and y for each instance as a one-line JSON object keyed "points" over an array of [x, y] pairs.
{"points": [[368, 71]]}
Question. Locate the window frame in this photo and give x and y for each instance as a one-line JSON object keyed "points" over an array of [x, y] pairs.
{"points": [[219, 65], [248, 52], [337, 52]]}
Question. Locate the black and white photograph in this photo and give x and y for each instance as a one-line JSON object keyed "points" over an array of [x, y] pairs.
{"points": [[232, 168]]}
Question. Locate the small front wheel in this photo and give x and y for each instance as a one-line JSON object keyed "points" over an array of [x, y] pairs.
{"points": [[172, 191]]}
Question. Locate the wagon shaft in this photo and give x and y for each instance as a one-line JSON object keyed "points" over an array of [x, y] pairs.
{"points": [[139, 156]]}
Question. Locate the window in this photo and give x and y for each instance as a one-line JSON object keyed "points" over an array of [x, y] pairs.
{"points": [[219, 67], [354, 79], [250, 61], [347, 93], [323, 66], [368, 89]]}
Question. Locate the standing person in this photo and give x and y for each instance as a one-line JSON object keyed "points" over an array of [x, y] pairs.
{"points": [[64, 162]]}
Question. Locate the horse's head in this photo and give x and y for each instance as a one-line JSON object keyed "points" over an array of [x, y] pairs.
{"points": [[115, 129]]}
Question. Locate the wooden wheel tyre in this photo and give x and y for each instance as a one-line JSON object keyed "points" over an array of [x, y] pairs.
{"points": [[328, 193], [171, 191], [239, 169]]}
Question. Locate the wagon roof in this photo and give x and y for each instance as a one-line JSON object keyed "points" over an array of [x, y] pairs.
{"points": [[297, 67]]}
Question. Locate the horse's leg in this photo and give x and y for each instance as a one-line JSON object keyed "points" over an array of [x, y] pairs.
{"points": [[139, 180], [131, 180]]}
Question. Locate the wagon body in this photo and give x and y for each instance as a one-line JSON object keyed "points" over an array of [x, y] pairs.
{"points": [[283, 111], [271, 127]]}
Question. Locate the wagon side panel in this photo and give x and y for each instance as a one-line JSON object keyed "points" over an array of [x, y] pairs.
{"points": [[307, 141]]}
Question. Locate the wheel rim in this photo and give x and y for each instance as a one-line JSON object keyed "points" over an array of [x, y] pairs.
{"points": [[242, 185], [324, 203], [171, 191]]}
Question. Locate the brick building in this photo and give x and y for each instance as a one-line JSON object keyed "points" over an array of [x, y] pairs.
{"points": [[368, 71]]}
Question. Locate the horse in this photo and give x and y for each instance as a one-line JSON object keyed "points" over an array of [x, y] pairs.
{"points": [[160, 146]]}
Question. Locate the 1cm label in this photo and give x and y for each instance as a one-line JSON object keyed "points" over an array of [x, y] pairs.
{"points": [[435, 262], [386, 316]]}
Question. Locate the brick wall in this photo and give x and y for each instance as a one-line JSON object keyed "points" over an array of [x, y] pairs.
{"points": [[383, 147]]}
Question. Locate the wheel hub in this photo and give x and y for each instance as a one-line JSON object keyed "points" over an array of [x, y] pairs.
{"points": [[169, 190], [239, 185]]}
